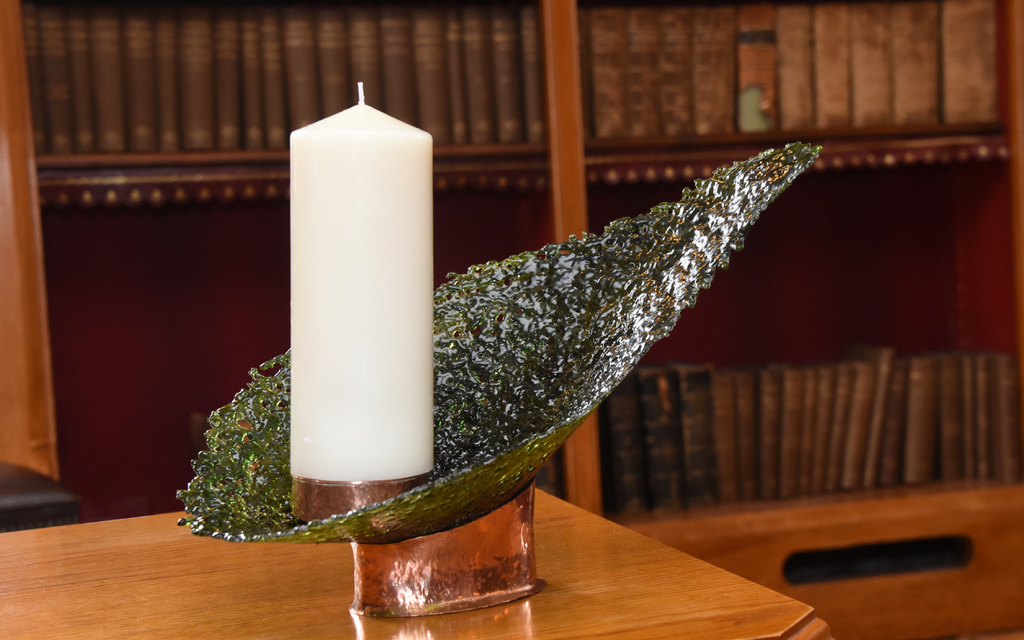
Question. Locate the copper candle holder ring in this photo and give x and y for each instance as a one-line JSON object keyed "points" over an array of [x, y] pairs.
{"points": [[486, 562]]}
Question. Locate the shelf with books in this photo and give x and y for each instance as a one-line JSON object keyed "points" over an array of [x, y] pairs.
{"points": [[227, 176], [111, 78], [908, 236], [158, 179], [612, 161], [698, 68], [684, 436]]}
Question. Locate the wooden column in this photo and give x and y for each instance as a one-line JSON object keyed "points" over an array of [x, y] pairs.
{"points": [[569, 207], [27, 425], [1012, 20]]}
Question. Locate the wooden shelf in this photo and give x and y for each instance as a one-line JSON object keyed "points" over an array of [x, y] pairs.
{"points": [[670, 160], [157, 179], [755, 540]]}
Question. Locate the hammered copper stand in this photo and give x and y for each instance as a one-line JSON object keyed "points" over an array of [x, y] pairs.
{"points": [[485, 562]]}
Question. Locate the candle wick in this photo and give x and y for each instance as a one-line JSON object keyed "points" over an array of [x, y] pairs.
{"points": [[360, 86]]}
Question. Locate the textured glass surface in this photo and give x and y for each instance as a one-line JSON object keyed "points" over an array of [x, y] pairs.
{"points": [[524, 350]]}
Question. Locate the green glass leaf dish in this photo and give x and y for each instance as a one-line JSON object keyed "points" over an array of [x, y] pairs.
{"points": [[524, 349]]}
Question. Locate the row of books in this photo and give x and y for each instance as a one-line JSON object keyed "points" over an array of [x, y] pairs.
{"points": [[138, 78], [682, 435], [680, 70]]}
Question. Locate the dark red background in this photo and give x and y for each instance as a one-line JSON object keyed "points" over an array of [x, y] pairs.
{"points": [[157, 315]]}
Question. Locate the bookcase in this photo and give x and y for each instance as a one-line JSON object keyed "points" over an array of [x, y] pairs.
{"points": [[167, 281]]}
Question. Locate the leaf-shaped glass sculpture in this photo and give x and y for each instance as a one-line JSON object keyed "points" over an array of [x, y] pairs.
{"points": [[524, 350]]}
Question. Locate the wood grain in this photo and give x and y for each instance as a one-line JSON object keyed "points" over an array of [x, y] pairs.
{"points": [[27, 424], [569, 207], [1012, 19], [985, 594], [147, 577]]}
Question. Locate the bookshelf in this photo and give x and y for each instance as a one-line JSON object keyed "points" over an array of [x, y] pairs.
{"points": [[913, 234], [184, 241]]}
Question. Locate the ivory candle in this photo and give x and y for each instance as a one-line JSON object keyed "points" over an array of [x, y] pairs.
{"points": [[361, 298]]}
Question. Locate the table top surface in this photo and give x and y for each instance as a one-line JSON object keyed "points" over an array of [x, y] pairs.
{"points": [[149, 578]]}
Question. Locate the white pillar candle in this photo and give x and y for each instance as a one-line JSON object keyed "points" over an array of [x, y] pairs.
{"points": [[361, 298]]}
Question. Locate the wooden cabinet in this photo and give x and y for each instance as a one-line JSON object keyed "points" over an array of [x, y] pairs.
{"points": [[167, 279]]}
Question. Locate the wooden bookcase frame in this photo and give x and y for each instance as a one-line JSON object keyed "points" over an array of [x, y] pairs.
{"points": [[27, 422]]}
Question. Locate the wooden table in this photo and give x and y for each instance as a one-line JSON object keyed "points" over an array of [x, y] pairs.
{"points": [[149, 578]]}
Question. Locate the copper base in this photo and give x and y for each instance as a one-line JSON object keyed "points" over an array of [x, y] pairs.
{"points": [[321, 499], [486, 562]]}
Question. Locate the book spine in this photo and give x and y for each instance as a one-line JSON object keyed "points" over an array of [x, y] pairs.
{"points": [[33, 59], [140, 77], [831, 65], [970, 84], [586, 56], [675, 70], [332, 59], [643, 102], [108, 74], [56, 78], [968, 394], [227, 55], [253, 125], [756, 102], [870, 64], [951, 416], [507, 73], [533, 74], [882, 358], [840, 420], [477, 60], [862, 397], [714, 69], [165, 52], [825, 392], [608, 63], [915, 62], [791, 398], [921, 444], [1004, 373], [723, 410], [769, 430], [428, 41], [195, 59], [398, 69], [698, 437], [808, 416], [365, 52], [80, 76], [300, 70], [890, 459], [626, 448], [795, 72], [746, 433], [275, 109], [982, 418], [659, 397], [456, 76]]}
